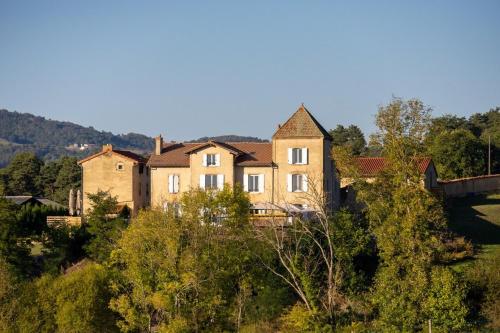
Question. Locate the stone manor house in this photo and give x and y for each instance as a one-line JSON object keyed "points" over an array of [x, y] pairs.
{"points": [[281, 175]]}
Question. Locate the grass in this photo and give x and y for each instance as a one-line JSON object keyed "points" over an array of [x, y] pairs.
{"points": [[477, 218]]}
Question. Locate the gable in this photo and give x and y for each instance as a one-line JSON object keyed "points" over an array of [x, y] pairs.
{"points": [[301, 124]]}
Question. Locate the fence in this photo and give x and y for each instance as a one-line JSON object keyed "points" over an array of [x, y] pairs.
{"points": [[68, 220]]}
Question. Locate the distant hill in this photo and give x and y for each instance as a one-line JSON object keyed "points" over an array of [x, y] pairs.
{"points": [[51, 139], [229, 138]]}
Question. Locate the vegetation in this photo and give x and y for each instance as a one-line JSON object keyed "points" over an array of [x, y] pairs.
{"points": [[26, 174], [48, 139], [200, 265]]}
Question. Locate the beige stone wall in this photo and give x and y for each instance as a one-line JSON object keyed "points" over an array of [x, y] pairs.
{"points": [[473, 185], [314, 169], [226, 165], [159, 184], [100, 173], [265, 196]]}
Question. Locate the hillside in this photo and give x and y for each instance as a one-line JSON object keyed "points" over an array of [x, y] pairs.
{"points": [[229, 138], [51, 139]]}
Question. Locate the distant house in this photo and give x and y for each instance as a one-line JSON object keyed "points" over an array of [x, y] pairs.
{"points": [[28, 199], [370, 167]]}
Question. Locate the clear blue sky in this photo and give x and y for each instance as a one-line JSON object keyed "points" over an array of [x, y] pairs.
{"points": [[188, 69]]}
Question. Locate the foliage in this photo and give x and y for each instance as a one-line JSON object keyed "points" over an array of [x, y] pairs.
{"points": [[76, 301], [21, 176], [58, 177], [351, 136], [484, 278], [407, 222], [195, 272], [14, 245], [49, 138], [457, 154], [316, 258], [104, 225]]}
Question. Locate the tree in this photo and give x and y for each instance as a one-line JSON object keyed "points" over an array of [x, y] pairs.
{"points": [[197, 271], [14, 245], [316, 258], [76, 301], [104, 225], [457, 154], [407, 222], [58, 177], [351, 136], [23, 175]]}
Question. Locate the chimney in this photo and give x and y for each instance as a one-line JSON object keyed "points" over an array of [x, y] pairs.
{"points": [[158, 144], [107, 147]]}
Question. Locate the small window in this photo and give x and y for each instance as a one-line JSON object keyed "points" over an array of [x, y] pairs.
{"points": [[297, 156], [173, 183], [253, 183], [140, 189], [211, 160], [210, 181], [297, 182], [120, 166], [141, 169]]}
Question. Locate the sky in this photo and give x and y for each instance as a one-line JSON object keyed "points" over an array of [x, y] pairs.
{"points": [[187, 69]]}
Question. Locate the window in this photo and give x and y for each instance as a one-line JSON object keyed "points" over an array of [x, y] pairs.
{"points": [[210, 181], [297, 183], [211, 160], [173, 183], [141, 168], [253, 183], [120, 166], [297, 155], [140, 189]]}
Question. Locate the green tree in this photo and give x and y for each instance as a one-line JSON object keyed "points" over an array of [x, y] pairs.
{"points": [[407, 222], [104, 225], [23, 175], [351, 136], [76, 301], [14, 245], [197, 271], [457, 154]]}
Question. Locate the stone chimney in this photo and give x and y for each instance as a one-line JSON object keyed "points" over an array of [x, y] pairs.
{"points": [[158, 144], [107, 147]]}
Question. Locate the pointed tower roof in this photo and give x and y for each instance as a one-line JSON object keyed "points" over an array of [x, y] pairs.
{"points": [[301, 124]]}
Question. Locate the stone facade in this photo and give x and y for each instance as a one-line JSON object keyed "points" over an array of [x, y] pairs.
{"points": [[286, 172]]}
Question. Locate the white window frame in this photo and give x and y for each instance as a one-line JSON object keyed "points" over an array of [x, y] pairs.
{"points": [[296, 152], [255, 189], [211, 160], [299, 180], [173, 183]]}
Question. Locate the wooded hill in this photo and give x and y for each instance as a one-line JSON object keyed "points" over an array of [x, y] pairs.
{"points": [[50, 139]]}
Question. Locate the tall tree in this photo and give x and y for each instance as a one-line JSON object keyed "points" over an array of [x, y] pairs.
{"points": [[407, 222], [457, 154], [104, 225], [23, 175]]}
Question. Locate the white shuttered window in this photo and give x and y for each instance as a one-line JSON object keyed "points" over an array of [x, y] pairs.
{"points": [[253, 183], [173, 183]]}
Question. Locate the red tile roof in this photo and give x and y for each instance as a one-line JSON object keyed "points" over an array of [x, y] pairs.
{"points": [[247, 153], [371, 166], [125, 153]]}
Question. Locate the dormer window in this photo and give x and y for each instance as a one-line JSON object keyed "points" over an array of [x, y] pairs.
{"points": [[211, 160], [297, 156]]}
